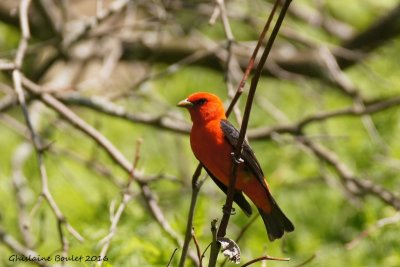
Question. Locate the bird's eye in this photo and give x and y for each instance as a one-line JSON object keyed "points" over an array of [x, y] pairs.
{"points": [[200, 101]]}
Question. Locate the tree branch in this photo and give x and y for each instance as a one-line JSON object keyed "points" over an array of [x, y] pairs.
{"points": [[236, 157], [298, 127], [17, 80], [114, 154], [14, 245], [353, 184]]}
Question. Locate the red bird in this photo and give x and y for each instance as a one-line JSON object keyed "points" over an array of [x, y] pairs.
{"points": [[213, 138]]}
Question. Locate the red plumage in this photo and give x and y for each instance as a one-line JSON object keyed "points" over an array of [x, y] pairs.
{"points": [[213, 139]]}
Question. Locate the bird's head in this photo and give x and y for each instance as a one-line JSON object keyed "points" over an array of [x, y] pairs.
{"points": [[203, 107]]}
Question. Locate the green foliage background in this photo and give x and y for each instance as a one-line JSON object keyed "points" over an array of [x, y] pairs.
{"points": [[325, 218]]}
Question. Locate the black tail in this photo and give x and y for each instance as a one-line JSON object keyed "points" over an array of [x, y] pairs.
{"points": [[276, 221]]}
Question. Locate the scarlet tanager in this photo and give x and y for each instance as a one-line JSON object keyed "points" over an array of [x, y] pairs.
{"points": [[213, 138]]}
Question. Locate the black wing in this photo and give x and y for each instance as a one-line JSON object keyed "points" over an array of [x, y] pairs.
{"points": [[250, 160], [238, 197], [275, 221]]}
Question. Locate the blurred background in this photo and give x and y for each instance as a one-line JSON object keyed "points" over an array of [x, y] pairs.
{"points": [[89, 89]]}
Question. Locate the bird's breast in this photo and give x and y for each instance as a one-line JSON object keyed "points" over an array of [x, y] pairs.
{"points": [[212, 150]]}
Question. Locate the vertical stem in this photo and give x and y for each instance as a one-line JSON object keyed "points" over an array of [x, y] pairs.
{"points": [[188, 235], [238, 150], [251, 61]]}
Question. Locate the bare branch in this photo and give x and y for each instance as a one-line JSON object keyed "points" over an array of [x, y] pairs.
{"points": [[252, 59], [109, 108], [236, 156], [264, 258], [156, 36], [378, 33], [196, 185], [246, 116], [7, 102], [331, 25], [6, 65], [307, 261], [126, 197], [116, 7], [297, 127], [14, 245], [17, 80], [353, 184], [172, 256], [199, 255], [114, 154], [379, 224], [21, 190]]}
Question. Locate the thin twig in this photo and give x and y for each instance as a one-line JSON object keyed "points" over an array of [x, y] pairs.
{"points": [[175, 67], [236, 157], [114, 154], [172, 256], [379, 224], [17, 80], [345, 84], [252, 59], [19, 182], [115, 8], [196, 185], [107, 107], [307, 261], [264, 258], [170, 124], [126, 197], [353, 184], [298, 127], [205, 250], [196, 243], [6, 65], [246, 116], [214, 16], [7, 102], [230, 57], [14, 245]]}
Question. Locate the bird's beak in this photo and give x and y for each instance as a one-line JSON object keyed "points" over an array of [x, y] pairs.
{"points": [[185, 104]]}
